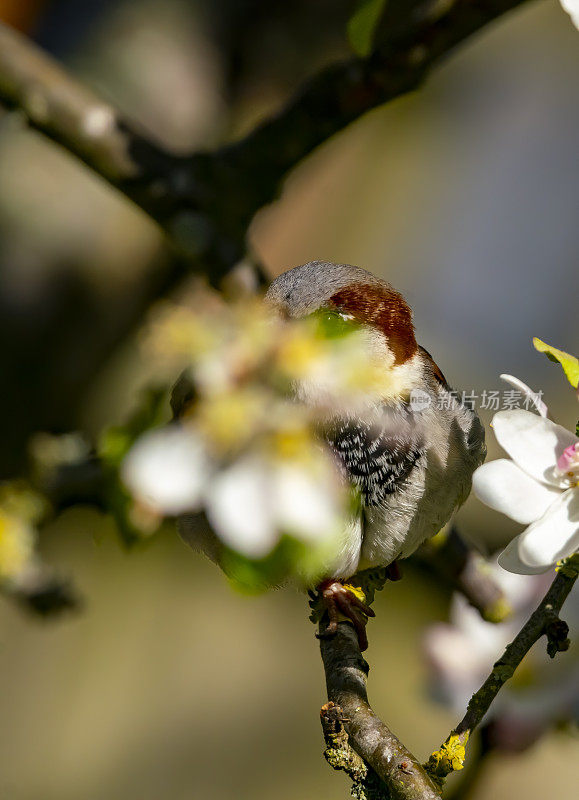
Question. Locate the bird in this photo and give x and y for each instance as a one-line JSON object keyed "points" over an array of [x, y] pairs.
{"points": [[410, 453]]}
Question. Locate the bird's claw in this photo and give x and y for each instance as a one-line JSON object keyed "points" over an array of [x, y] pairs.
{"points": [[342, 599]]}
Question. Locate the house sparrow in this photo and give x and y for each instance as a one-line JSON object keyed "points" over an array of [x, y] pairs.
{"points": [[411, 453], [410, 449]]}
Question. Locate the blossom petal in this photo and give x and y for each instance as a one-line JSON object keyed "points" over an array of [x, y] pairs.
{"points": [[305, 508], [572, 8], [534, 443], [510, 560], [530, 395], [555, 535], [239, 510], [503, 486], [457, 663], [167, 468]]}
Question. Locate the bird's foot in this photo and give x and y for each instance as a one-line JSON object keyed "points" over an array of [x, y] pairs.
{"points": [[341, 599]]}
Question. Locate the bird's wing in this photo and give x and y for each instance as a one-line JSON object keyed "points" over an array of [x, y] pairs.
{"points": [[378, 454]]}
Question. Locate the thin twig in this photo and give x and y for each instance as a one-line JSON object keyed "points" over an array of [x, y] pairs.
{"points": [[543, 622]]}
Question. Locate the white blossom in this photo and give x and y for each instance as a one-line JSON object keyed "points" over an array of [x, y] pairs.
{"points": [[461, 653], [250, 502], [572, 8], [538, 486], [531, 397], [253, 502], [167, 470]]}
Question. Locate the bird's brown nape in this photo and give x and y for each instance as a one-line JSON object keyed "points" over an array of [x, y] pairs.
{"points": [[385, 309]]}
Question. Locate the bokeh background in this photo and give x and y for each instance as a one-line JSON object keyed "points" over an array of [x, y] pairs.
{"points": [[464, 195]]}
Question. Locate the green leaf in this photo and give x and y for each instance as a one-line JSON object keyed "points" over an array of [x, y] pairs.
{"points": [[289, 559], [254, 576], [115, 442], [569, 363], [362, 26]]}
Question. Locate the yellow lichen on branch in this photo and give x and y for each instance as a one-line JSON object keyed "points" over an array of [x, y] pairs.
{"points": [[449, 758]]}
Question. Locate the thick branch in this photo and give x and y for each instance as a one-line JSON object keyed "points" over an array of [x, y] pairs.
{"points": [[65, 110], [92, 130], [343, 92], [543, 622], [346, 674], [206, 201]]}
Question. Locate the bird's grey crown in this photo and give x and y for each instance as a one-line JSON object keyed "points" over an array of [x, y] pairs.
{"points": [[303, 289]]}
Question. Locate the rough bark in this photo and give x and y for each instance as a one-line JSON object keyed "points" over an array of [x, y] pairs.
{"points": [[346, 676]]}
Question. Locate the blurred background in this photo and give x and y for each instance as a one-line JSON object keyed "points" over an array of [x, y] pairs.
{"points": [[464, 195]]}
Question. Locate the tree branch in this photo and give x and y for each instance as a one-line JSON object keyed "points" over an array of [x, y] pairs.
{"points": [[65, 110], [345, 91], [543, 622], [206, 201], [93, 131], [346, 675]]}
